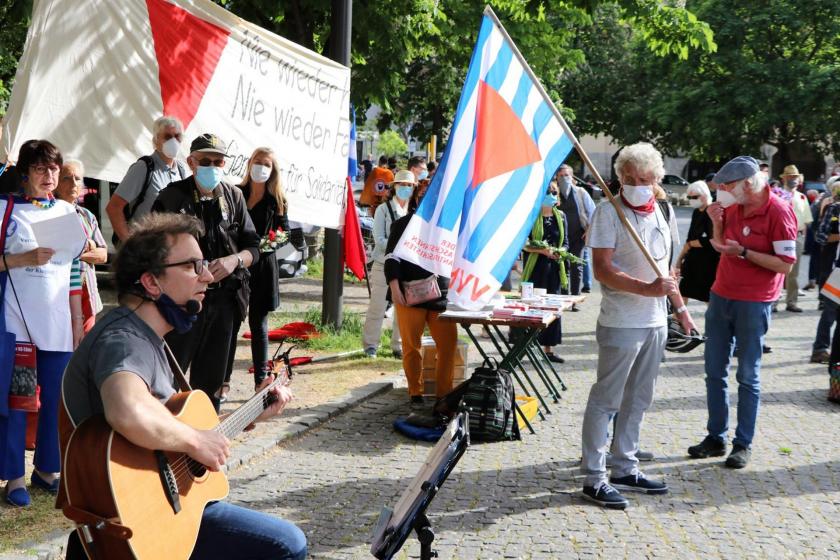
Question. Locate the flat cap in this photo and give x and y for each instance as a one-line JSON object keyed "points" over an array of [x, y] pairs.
{"points": [[736, 169]]}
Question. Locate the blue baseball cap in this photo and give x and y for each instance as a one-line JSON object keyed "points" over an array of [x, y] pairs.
{"points": [[736, 169]]}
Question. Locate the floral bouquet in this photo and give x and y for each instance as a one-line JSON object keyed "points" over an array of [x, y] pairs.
{"points": [[273, 240], [563, 254]]}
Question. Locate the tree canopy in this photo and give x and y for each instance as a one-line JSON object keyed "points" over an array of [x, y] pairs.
{"points": [[410, 57], [773, 79]]}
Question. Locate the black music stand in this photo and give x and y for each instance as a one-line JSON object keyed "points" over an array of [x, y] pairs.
{"points": [[409, 514]]}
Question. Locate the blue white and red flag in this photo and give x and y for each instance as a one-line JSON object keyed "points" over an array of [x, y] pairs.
{"points": [[505, 144]]}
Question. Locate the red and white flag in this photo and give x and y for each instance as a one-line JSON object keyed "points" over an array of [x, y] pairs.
{"points": [[95, 74]]}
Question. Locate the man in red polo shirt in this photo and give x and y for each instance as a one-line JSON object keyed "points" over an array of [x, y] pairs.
{"points": [[755, 232]]}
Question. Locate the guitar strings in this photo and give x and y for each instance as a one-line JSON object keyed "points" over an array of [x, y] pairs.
{"points": [[232, 425]]}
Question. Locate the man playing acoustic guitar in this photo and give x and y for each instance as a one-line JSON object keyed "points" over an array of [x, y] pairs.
{"points": [[121, 370]]}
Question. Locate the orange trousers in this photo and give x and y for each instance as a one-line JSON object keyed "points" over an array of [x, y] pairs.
{"points": [[412, 321]]}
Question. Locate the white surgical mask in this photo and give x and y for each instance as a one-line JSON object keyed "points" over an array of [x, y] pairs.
{"points": [[260, 173], [565, 185], [637, 195], [695, 202], [170, 148], [726, 198]]}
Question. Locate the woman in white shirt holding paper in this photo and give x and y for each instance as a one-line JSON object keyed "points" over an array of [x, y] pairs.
{"points": [[37, 302]]}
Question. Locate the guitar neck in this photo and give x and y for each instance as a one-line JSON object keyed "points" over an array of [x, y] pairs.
{"points": [[245, 415]]}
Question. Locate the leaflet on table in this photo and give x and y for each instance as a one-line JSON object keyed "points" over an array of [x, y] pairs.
{"points": [[63, 234], [536, 315], [463, 314]]}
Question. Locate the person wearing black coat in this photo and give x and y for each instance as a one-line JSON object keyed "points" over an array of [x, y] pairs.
{"points": [[231, 245], [268, 208]]}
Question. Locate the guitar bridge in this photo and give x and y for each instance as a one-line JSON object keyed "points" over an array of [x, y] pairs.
{"points": [[168, 481]]}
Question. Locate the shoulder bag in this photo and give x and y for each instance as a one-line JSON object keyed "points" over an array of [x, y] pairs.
{"points": [[23, 390], [421, 291]]}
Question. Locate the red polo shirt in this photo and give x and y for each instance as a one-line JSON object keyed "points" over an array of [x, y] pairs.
{"points": [[772, 230]]}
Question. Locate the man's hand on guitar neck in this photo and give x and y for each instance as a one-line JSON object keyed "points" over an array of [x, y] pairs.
{"points": [[282, 396]]}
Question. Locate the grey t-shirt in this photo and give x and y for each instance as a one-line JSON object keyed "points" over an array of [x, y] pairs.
{"points": [[623, 309], [120, 341], [131, 185]]}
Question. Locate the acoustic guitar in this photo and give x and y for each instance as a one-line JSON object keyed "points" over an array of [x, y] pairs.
{"points": [[135, 503]]}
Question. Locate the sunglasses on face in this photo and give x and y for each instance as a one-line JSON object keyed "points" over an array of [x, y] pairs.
{"points": [[207, 162], [693, 197], [199, 265], [166, 137]]}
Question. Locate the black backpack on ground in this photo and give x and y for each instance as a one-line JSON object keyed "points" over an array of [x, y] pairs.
{"points": [[489, 401]]}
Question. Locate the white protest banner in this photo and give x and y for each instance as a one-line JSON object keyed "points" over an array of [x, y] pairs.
{"points": [[95, 74]]}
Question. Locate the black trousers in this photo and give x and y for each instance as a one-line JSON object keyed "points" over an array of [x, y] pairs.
{"points": [[205, 349], [575, 270]]}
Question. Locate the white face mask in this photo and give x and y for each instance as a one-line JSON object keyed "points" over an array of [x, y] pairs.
{"points": [[726, 198], [637, 195], [170, 148], [260, 173], [695, 202], [565, 184]]}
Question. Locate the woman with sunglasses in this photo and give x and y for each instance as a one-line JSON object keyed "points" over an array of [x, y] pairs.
{"points": [[37, 299], [698, 260]]}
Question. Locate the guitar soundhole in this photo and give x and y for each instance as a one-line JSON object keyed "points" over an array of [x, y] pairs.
{"points": [[197, 470]]}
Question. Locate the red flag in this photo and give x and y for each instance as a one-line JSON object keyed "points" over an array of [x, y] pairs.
{"points": [[354, 246]]}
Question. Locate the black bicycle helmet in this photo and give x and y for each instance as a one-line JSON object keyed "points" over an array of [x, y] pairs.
{"points": [[680, 342]]}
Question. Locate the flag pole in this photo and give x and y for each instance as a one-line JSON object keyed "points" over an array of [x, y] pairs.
{"points": [[488, 11]]}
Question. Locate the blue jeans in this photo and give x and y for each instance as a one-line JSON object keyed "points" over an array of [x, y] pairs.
{"points": [[229, 531], [730, 322], [828, 316], [587, 269]]}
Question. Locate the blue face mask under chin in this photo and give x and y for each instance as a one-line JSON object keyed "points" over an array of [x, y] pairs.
{"points": [[175, 314], [208, 177]]}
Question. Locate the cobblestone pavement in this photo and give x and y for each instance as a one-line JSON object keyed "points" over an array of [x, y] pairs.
{"points": [[521, 499]]}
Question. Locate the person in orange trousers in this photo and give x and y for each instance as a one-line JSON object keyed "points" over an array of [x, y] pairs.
{"points": [[413, 319]]}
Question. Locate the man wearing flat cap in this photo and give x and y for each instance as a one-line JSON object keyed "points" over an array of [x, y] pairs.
{"points": [[791, 180], [755, 232], [230, 244]]}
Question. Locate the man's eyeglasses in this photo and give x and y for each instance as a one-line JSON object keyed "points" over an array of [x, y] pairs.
{"points": [[43, 169], [178, 137], [693, 197], [207, 162], [199, 265]]}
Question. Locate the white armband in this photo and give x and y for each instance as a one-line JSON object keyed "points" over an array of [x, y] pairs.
{"points": [[785, 248]]}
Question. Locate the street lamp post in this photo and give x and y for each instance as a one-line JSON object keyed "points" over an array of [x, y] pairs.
{"points": [[332, 295]]}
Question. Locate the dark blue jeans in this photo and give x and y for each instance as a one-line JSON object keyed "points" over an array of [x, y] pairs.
{"points": [[229, 531], [730, 322]]}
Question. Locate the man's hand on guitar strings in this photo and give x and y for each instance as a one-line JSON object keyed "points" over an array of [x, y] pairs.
{"points": [[211, 450]]}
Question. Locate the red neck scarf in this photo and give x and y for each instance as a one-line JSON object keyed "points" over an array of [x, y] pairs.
{"points": [[646, 208]]}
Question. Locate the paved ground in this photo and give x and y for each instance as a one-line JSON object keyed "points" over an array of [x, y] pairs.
{"points": [[520, 499]]}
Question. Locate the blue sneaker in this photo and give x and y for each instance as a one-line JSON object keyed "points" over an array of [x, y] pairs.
{"points": [[639, 483], [605, 495]]}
